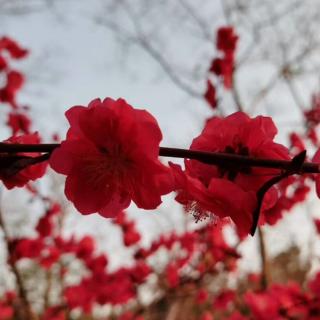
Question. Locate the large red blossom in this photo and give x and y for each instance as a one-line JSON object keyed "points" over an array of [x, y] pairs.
{"points": [[230, 191], [110, 157]]}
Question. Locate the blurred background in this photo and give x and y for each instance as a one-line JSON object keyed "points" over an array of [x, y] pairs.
{"points": [[156, 55]]}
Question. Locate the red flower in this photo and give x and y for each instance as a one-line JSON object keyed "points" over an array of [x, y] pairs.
{"points": [[79, 296], [3, 63], [49, 256], [44, 227], [45, 224], [18, 122], [27, 248], [296, 143], [206, 316], [317, 225], [201, 199], [223, 67], [314, 284], [6, 312], [130, 234], [54, 313], [15, 80], [224, 299], [8, 96], [13, 48], [237, 316], [10, 175], [262, 305], [140, 272], [97, 264], [172, 275], [230, 190], [85, 247], [202, 296], [14, 83], [226, 40], [316, 159], [110, 157], [210, 95], [313, 115]]}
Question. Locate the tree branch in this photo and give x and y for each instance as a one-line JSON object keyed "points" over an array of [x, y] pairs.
{"points": [[214, 158]]}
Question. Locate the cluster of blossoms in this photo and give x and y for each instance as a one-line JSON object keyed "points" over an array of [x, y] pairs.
{"points": [[14, 79], [16, 170], [222, 67], [194, 260], [10, 50], [56, 255]]}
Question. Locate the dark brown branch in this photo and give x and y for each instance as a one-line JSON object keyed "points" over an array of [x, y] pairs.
{"points": [[265, 274], [27, 312], [294, 167], [214, 158]]}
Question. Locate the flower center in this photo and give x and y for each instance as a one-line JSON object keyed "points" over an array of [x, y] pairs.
{"points": [[231, 170], [107, 170]]}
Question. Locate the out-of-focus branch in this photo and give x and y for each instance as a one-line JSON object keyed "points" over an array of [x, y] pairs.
{"points": [[26, 312], [21, 7], [202, 26], [139, 38], [264, 92], [236, 94], [265, 274]]}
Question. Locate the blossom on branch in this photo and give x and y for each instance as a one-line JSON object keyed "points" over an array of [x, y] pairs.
{"points": [[110, 157], [13, 48], [223, 66], [229, 189], [18, 122], [227, 40], [210, 95], [18, 169], [203, 200]]}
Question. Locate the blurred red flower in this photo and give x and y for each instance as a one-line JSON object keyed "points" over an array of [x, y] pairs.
{"points": [[12, 47], [18, 171], [19, 122], [223, 67], [226, 39], [210, 95]]}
